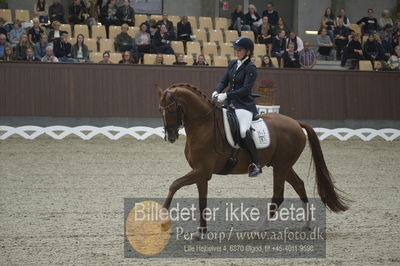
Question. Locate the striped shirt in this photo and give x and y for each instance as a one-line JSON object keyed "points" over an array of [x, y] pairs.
{"points": [[307, 57]]}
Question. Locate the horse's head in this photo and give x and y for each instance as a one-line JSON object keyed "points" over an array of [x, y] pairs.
{"points": [[172, 112]]}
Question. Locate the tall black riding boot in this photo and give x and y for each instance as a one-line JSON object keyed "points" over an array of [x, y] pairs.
{"points": [[255, 167]]}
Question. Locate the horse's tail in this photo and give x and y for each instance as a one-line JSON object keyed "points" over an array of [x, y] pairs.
{"points": [[326, 189]]}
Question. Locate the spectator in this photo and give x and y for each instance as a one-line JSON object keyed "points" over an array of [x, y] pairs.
{"points": [[152, 27], [41, 11], [298, 43], [341, 38], [328, 22], [385, 47], [2, 29], [252, 19], [99, 5], [40, 48], [354, 50], [372, 49], [325, 45], [307, 57], [369, 24], [126, 14], [201, 61], [162, 40], [30, 55], [180, 60], [35, 32], [237, 19], [265, 32], [56, 12], [267, 62], [253, 59], [106, 58], [75, 11], [89, 15], [142, 40], [184, 30], [396, 38], [49, 56], [342, 15], [273, 16], [8, 54], [124, 41], [394, 61], [62, 48], [379, 66], [80, 51], [279, 45], [385, 19], [291, 57], [396, 22], [167, 23], [281, 26], [55, 33], [159, 59], [127, 58], [108, 15], [3, 43], [15, 33], [387, 33], [22, 46]]}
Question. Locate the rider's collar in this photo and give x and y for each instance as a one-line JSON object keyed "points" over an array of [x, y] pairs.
{"points": [[240, 62]]}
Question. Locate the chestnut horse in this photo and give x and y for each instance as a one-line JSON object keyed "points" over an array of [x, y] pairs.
{"points": [[207, 149]]}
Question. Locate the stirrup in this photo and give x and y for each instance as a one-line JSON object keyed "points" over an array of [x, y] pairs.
{"points": [[254, 170]]}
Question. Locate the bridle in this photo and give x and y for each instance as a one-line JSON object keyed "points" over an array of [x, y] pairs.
{"points": [[179, 112]]}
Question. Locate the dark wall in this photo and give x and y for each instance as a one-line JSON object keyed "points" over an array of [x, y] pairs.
{"points": [[89, 90]]}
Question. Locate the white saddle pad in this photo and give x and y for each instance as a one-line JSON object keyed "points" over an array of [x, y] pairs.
{"points": [[259, 131]]}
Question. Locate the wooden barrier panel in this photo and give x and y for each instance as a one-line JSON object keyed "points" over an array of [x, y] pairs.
{"points": [[91, 90]]}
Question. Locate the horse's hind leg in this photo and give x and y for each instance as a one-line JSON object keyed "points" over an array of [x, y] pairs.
{"points": [[298, 185]]}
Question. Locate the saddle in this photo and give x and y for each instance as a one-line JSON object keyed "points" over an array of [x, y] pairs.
{"points": [[258, 128]]}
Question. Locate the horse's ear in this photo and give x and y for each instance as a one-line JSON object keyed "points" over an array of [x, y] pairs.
{"points": [[158, 89]]}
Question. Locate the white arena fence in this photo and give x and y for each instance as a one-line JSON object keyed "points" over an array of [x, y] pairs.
{"points": [[142, 133]]}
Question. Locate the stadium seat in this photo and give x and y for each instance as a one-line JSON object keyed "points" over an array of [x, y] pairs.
{"points": [[231, 35], [220, 61], [205, 23], [114, 31], [177, 46], [260, 50], [81, 29], [216, 36], [115, 57], [274, 61], [132, 31], [67, 28], [193, 48], [210, 48], [106, 45], [149, 59], [22, 15], [96, 57], [98, 31], [91, 44], [174, 20], [193, 22], [248, 33], [364, 39], [156, 17], [169, 59], [221, 23], [258, 61], [6, 14], [226, 49], [201, 35], [139, 19], [356, 28], [365, 65], [189, 60]]}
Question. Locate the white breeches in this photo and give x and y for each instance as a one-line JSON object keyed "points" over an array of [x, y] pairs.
{"points": [[245, 117]]}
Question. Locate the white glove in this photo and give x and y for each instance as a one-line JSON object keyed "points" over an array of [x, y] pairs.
{"points": [[222, 97], [213, 95]]}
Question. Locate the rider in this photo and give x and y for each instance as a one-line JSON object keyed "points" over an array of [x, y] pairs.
{"points": [[242, 74]]}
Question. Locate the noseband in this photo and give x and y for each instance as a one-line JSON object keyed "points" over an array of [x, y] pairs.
{"points": [[178, 111]]}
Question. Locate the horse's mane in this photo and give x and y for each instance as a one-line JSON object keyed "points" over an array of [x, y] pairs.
{"points": [[193, 89]]}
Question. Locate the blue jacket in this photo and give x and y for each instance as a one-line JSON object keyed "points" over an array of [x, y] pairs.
{"points": [[241, 83]]}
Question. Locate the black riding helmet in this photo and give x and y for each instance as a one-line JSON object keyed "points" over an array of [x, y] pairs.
{"points": [[244, 43]]}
